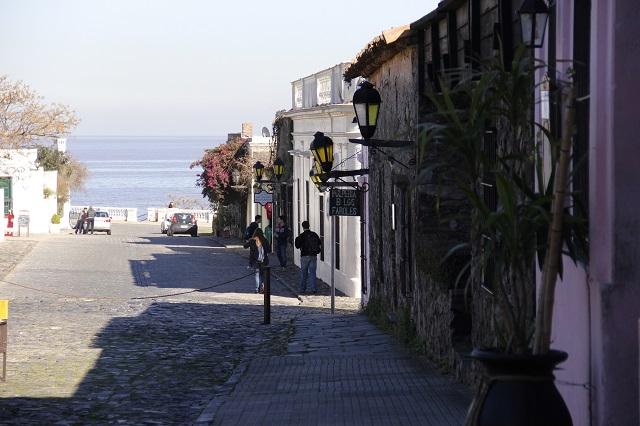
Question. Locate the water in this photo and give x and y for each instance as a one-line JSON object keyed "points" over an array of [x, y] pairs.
{"points": [[139, 172]]}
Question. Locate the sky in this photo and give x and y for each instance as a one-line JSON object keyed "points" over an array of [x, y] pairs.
{"points": [[183, 67]]}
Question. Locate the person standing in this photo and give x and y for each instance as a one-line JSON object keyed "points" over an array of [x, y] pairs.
{"points": [[258, 256], [282, 238], [310, 245], [80, 223], [248, 233], [91, 214], [268, 235]]}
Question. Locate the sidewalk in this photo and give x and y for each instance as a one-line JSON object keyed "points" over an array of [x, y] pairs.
{"points": [[339, 369]]}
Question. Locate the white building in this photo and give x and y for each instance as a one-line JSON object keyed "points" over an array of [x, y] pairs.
{"points": [[28, 189], [322, 102]]}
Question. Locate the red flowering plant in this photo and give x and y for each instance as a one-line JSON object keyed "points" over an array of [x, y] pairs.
{"points": [[219, 164]]}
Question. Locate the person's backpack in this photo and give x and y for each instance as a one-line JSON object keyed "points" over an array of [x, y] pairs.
{"points": [[313, 243]]}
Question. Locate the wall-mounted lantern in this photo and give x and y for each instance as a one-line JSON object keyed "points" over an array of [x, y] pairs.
{"points": [[278, 168], [533, 22], [366, 104], [322, 149], [258, 170]]}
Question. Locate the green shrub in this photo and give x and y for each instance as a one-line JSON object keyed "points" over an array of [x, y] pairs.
{"points": [[55, 219]]}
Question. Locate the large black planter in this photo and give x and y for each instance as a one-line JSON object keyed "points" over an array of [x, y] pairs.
{"points": [[518, 390]]}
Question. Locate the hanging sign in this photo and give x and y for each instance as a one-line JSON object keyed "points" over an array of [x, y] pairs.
{"points": [[344, 202], [263, 197]]}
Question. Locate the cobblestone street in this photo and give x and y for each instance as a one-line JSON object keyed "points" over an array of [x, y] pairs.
{"points": [[82, 351], [109, 330]]}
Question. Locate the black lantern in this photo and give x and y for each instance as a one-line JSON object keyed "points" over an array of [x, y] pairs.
{"points": [[278, 168], [316, 179], [322, 149], [258, 169], [533, 21], [366, 103]]}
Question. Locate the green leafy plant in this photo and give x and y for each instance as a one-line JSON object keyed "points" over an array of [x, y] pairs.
{"points": [[506, 240], [47, 192], [55, 219]]}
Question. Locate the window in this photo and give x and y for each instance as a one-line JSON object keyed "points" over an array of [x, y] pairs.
{"points": [[336, 223], [321, 228], [297, 93], [324, 90], [5, 183]]}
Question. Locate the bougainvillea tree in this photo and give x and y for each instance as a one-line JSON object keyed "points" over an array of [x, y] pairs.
{"points": [[218, 167]]}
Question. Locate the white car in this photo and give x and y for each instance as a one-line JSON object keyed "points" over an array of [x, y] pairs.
{"points": [[102, 222], [165, 221]]}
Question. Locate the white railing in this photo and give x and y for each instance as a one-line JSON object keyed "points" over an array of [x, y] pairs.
{"points": [[155, 214], [125, 214]]}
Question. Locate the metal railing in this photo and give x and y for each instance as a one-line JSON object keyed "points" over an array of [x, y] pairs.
{"points": [[125, 214]]}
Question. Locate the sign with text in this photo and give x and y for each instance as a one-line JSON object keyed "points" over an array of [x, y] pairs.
{"points": [[263, 197], [344, 202]]}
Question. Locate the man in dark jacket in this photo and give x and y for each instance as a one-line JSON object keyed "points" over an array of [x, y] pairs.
{"points": [[248, 233], [310, 245]]}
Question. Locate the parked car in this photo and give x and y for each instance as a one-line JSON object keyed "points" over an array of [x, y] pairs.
{"points": [[102, 222], [165, 220], [182, 223]]}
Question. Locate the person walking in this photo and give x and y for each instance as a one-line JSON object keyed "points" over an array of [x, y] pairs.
{"points": [[310, 245], [268, 235], [282, 238], [258, 257], [91, 214]]}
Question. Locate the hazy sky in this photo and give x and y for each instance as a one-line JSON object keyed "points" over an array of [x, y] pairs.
{"points": [[183, 67]]}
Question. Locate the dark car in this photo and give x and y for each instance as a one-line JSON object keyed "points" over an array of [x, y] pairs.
{"points": [[183, 223]]}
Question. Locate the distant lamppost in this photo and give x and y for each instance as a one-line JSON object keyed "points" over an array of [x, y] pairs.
{"points": [[533, 22], [278, 172]]}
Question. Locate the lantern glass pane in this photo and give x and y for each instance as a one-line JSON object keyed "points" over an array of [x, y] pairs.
{"points": [[373, 114], [526, 25], [361, 114], [541, 25], [330, 153]]}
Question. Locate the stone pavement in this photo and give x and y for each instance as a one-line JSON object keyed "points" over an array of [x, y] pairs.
{"points": [[338, 370], [90, 341]]}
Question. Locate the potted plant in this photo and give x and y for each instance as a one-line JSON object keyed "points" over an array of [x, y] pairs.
{"points": [[531, 220], [54, 227]]}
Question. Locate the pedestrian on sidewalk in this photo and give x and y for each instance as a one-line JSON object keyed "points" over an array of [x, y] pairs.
{"points": [[258, 256], [248, 233], [310, 245], [282, 238]]}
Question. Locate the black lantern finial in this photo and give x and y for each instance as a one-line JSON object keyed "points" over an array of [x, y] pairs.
{"points": [[366, 103], [533, 22]]}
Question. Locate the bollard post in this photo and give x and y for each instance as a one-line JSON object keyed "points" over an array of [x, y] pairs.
{"points": [[267, 294]]}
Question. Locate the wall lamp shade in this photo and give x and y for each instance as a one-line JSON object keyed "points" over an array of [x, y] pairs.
{"points": [[322, 149], [278, 168], [366, 103], [258, 170], [534, 15]]}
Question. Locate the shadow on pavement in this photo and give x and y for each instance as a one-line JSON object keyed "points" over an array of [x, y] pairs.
{"points": [[192, 264], [159, 367]]}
